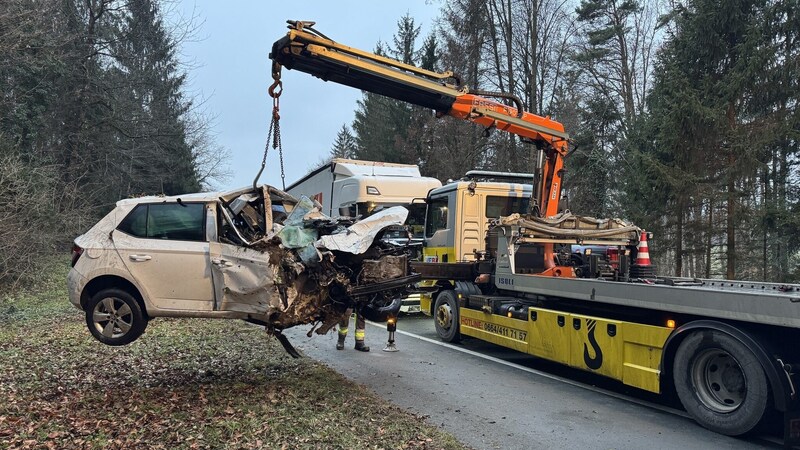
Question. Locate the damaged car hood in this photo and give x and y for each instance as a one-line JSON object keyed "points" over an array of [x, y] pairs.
{"points": [[360, 236], [281, 262]]}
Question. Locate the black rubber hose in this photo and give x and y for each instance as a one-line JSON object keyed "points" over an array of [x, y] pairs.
{"points": [[512, 97]]}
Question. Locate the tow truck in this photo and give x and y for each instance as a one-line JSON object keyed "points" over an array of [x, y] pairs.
{"points": [[727, 348]]}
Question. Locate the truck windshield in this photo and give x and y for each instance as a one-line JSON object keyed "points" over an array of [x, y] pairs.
{"points": [[497, 206], [437, 216], [416, 219]]}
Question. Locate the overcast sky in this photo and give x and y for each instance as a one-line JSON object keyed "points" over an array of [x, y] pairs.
{"points": [[229, 68]]}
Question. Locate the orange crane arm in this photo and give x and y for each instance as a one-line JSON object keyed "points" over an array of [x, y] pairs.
{"points": [[308, 50]]}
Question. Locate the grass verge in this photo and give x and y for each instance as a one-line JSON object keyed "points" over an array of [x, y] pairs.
{"points": [[187, 383]]}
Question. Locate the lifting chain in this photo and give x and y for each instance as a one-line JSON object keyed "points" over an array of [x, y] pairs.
{"points": [[274, 133]]}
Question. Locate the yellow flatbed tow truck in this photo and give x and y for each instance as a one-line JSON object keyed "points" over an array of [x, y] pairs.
{"points": [[727, 348]]}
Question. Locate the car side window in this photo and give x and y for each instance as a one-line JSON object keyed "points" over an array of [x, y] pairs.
{"points": [[176, 222], [173, 221], [135, 223]]}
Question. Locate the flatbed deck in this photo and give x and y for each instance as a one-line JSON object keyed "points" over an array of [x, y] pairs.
{"points": [[714, 298]]}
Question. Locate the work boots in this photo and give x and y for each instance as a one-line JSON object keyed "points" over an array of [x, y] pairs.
{"points": [[340, 343], [361, 347]]}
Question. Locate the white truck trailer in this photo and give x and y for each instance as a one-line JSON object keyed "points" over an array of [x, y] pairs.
{"points": [[359, 188]]}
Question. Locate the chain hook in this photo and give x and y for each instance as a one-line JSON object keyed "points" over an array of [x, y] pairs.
{"points": [[274, 133], [276, 90]]}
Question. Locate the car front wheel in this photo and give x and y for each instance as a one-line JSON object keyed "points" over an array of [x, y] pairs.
{"points": [[114, 317]]}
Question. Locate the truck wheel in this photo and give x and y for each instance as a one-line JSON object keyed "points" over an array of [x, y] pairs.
{"points": [[720, 382], [114, 317], [445, 316]]}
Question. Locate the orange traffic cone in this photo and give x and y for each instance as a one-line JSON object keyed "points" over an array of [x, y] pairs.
{"points": [[642, 268], [642, 253]]}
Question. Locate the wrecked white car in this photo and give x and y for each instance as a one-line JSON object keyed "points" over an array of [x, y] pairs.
{"points": [[256, 254]]}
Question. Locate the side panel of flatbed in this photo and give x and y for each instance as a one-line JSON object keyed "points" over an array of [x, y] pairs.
{"points": [[625, 351]]}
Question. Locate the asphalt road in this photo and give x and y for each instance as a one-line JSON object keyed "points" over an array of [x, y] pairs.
{"points": [[492, 398]]}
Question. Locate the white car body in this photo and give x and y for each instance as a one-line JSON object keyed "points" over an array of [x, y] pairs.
{"points": [[173, 277], [175, 257]]}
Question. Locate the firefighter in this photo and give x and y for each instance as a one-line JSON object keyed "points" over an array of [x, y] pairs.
{"points": [[360, 325]]}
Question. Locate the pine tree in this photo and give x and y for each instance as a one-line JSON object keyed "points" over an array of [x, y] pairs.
{"points": [[381, 124], [707, 142], [158, 149], [345, 144], [405, 41], [430, 53]]}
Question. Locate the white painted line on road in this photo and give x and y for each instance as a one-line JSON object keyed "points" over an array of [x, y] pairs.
{"points": [[550, 376], [540, 373]]}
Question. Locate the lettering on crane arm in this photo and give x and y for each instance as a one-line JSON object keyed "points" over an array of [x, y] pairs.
{"points": [[511, 333], [597, 361], [505, 281], [488, 104]]}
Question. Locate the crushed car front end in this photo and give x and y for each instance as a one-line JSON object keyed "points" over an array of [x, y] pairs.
{"points": [[317, 266]]}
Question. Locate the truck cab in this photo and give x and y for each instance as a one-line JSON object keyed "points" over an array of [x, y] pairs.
{"points": [[360, 188], [363, 195], [459, 213]]}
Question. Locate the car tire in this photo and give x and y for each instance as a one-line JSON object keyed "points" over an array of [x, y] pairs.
{"points": [[114, 317], [720, 382], [446, 316]]}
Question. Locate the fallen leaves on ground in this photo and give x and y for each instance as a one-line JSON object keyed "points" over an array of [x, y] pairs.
{"points": [[187, 383]]}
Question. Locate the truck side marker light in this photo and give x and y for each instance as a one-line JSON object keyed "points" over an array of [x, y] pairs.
{"points": [[670, 323]]}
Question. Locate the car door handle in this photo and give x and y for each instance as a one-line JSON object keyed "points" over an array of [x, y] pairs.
{"points": [[222, 262], [140, 257]]}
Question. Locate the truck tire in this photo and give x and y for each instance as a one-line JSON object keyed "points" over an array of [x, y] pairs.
{"points": [[720, 382], [445, 316], [114, 317]]}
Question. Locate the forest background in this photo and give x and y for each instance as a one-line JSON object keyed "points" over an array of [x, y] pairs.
{"points": [[683, 115]]}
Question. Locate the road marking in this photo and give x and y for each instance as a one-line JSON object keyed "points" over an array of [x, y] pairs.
{"points": [[577, 384], [540, 373]]}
